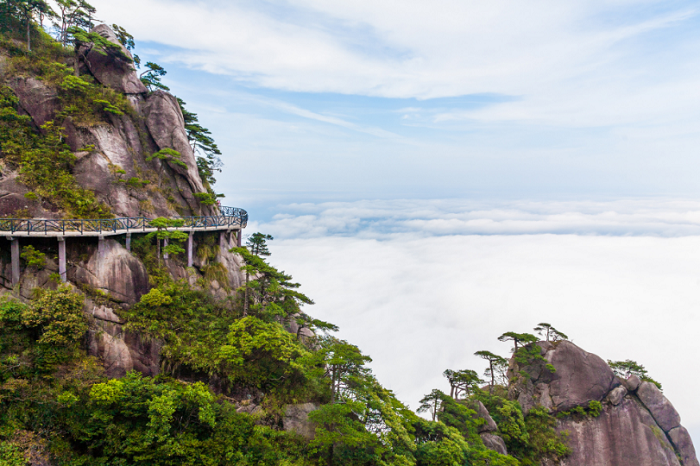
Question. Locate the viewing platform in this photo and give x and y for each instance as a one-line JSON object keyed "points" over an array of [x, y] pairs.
{"points": [[231, 221]]}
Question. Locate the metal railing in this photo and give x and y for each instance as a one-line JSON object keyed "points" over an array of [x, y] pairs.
{"points": [[230, 217]]}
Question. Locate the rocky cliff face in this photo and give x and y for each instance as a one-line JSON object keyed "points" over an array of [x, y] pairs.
{"points": [[121, 146], [112, 160], [637, 426]]}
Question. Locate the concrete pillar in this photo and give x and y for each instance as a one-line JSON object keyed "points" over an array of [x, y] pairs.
{"points": [[239, 238], [166, 256], [62, 259], [190, 249], [222, 241], [128, 242], [15, 260], [100, 247]]}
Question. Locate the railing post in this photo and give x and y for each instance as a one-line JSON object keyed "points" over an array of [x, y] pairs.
{"points": [[14, 246], [62, 258]]}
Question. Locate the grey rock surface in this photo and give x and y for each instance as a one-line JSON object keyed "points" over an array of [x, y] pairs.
{"points": [[115, 271], [658, 405], [483, 413], [580, 378], [617, 395], [167, 127], [110, 70], [296, 419], [494, 442], [623, 435], [684, 445], [631, 384], [36, 99]]}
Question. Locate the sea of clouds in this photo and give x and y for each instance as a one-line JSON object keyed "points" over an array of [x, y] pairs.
{"points": [[421, 285]]}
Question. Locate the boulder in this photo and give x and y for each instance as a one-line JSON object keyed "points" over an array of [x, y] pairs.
{"points": [[617, 395], [36, 99], [296, 419], [684, 446], [622, 435], [658, 405], [631, 384], [494, 442], [113, 270], [109, 69], [580, 377]]}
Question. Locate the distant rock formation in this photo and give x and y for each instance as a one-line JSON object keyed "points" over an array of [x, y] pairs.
{"points": [[637, 426]]}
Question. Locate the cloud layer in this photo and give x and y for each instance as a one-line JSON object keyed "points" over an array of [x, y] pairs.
{"points": [[420, 302], [415, 217]]}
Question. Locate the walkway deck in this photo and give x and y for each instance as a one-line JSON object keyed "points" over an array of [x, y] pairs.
{"points": [[230, 220]]}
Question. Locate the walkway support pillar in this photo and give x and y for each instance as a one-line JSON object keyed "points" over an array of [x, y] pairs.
{"points": [[222, 241], [190, 249], [100, 248], [14, 246], [62, 259], [239, 238], [166, 256], [128, 242]]}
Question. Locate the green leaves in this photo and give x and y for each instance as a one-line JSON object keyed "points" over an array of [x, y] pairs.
{"points": [[169, 155], [627, 368], [261, 354]]}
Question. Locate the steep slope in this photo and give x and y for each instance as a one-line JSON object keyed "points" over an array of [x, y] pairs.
{"points": [[637, 425]]}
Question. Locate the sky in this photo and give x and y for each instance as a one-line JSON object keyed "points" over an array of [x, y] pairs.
{"points": [[437, 173]]}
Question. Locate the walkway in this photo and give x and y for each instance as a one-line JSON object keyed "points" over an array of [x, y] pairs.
{"points": [[231, 220]]}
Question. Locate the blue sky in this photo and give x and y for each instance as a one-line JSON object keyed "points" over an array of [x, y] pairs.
{"points": [[446, 99], [530, 160]]}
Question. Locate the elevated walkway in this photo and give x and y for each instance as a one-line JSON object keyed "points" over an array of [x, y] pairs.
{"points": [[230, 221]]}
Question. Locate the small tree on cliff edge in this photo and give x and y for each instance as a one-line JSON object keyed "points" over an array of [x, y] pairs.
{"points": [[431, 403], [518, 339], [494, 361], [549, 333], [257, 245]]}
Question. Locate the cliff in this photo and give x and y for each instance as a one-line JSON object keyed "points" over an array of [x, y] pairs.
{"points": [[636, 424]]}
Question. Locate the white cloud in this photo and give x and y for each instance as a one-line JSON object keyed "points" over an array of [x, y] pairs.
{"points": [[419, 303], [572, 63], [388, 218]]}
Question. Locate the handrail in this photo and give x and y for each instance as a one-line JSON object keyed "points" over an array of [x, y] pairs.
{"points": [[229, 217]]}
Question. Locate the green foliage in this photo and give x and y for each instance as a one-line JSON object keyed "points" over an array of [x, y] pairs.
{"points": [[261, 354], [204, 148], [37, 337], [627, 368], [462, 382], [593, 409], [33, 258], [530, 438], [271, 293], [206, 198], [550, 333], [44, 161], [11, 455], [151, 78]]}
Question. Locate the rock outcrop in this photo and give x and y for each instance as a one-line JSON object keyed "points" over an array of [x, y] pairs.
{"points": [[296, 419], [112, 71], [638, 425]]}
